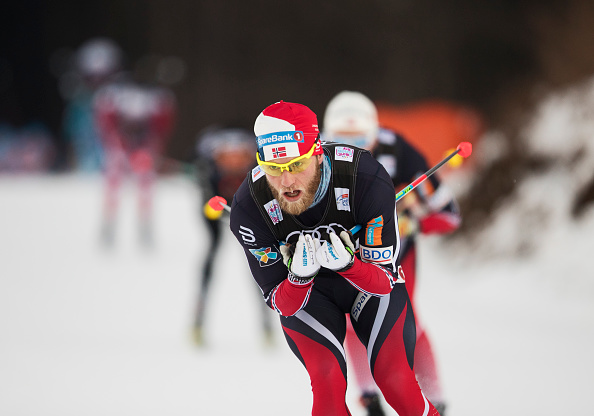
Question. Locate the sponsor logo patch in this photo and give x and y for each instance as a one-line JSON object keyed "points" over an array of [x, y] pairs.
{"points": [[344, 153], [274, 211], [373, 232], [359, 304], [247, 235], [257, 173], [265, 255], [381, 255], [300, 281], [280, 137], [317, 232], [331, 252], [318, 147], [342, 199]]}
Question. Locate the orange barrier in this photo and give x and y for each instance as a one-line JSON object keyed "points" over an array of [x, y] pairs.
{"points": [[434, 127]]}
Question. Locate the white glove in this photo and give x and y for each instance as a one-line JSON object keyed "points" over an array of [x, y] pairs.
{"points": [[334, 255], [303, 263]]}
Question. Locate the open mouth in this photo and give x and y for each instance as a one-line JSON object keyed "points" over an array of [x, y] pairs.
{"points": [[292, 196]]}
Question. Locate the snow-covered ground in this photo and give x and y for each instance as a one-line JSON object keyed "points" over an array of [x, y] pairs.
{"points": [[94, 332], [86, 331]]}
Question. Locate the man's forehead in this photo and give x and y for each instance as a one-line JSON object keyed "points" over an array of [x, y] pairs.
{"points": [[283, 160]]}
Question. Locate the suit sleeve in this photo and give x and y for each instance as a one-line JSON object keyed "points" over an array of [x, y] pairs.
{"points": [[281, 290]]}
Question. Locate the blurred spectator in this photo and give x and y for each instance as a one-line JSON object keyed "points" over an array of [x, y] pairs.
{"points": [[30, 149], [224, 156], [96, 63], [134, 121]]}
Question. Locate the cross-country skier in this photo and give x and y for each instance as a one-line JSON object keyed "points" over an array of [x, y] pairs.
{"points": [[98, 62], [135, 121], [292, 215], [351, 118], [224, 155]]}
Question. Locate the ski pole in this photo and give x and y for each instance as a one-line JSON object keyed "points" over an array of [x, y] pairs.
{"points": [[464, 149]]}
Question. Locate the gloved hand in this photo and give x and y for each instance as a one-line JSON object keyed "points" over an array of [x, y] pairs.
{"points": [[335, 254], [303, 263]]}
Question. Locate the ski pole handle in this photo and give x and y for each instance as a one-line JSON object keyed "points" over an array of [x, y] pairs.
{"points": [[219, 203], [464, 149], [355, 229]]}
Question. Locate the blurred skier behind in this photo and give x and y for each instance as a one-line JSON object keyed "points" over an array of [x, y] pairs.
{"points": [[135, 121], [224, 156], [96, 63], [351, 118]]}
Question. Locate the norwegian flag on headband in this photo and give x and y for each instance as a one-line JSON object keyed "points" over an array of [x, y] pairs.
{"points": [[278, 152]]}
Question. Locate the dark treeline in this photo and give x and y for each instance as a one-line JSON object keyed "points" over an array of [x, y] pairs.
{"points": [[243, 55]]}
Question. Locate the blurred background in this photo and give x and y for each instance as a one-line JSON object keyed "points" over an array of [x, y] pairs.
{"points": [[507, 296], [227, 61]]}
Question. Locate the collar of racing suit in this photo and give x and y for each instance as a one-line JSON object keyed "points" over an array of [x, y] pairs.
{"points": [[324, 181]]}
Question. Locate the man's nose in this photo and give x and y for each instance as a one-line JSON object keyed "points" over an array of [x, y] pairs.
{"points": [[287, 179]]}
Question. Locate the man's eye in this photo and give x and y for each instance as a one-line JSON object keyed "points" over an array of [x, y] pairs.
{"points": [[273, 168], [296, 164]]}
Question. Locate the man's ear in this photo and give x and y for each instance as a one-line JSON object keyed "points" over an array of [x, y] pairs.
{"points": [[320, 158]]}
